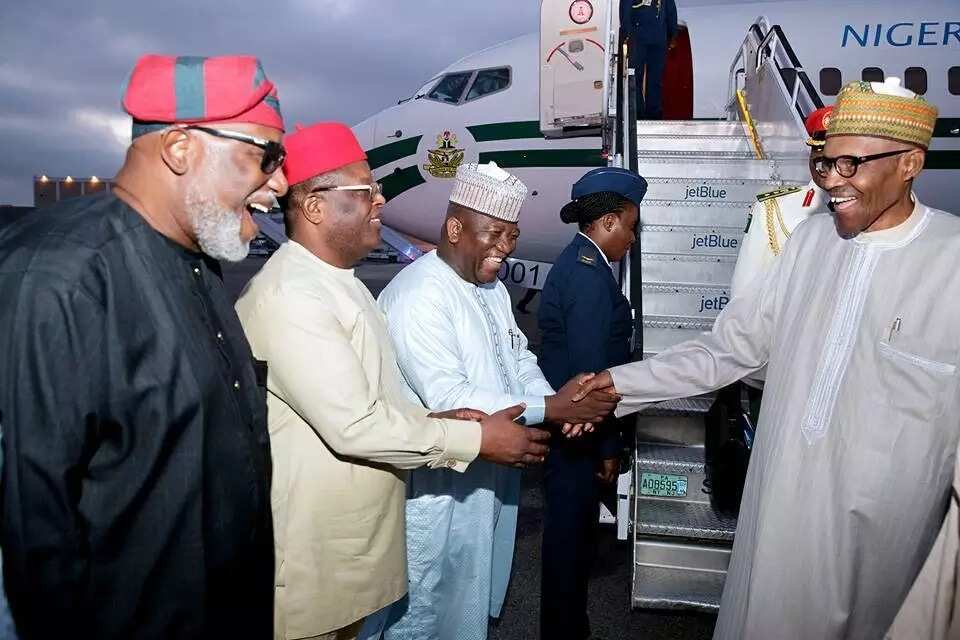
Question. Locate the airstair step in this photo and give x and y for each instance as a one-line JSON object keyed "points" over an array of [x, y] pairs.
{"points": [[667, 213], [691, 240], [695, 144], [689, 520], [653, 165], [706, 190], [690, 127], [677, 589], [660, 269], [696, 406], [660, 458], [661, 333], [697, 302]]}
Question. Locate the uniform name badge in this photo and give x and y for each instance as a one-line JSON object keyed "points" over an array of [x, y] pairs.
{"points": [[643, 3]]}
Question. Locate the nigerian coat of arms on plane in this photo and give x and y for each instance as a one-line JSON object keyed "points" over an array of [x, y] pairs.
{"points": [[443, 161]]}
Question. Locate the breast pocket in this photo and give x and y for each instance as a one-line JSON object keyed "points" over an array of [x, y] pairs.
{"points": [[917, 376]]}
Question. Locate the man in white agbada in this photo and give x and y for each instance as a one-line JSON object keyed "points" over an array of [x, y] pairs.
{"points": [[853, 460], [457, 342]]}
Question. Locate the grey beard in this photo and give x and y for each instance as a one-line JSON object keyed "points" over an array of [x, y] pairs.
{"points": [[217, 229]]}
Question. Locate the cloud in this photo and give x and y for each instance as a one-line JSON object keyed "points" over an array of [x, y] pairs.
{"points": [[104, 125], [62, 63]]}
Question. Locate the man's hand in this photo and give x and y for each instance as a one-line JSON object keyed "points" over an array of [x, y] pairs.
{"points": [[472, 415], [609, 470], [576, 430], [590, 383], [574, 406], [505, 442]]}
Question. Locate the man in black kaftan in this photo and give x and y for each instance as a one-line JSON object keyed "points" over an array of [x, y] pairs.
{"points": [[136, 485]]}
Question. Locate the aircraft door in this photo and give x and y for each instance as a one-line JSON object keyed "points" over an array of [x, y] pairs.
{"points": [[678, 78], [574, 61]]}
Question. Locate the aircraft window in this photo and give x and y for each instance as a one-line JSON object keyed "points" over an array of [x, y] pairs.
{"points": [[489, 81], [450, 88], [915, 79], [872, 74], [830, 81], [953, 80]]}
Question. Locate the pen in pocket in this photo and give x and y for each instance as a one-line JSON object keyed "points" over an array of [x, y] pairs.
{"points": [[894, 328]]}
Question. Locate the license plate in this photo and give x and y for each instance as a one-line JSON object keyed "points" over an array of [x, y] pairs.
{"points": [[663, 485]]}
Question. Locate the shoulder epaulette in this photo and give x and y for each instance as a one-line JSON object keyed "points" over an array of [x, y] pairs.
{"points": [[776, 193], [588, 255]]}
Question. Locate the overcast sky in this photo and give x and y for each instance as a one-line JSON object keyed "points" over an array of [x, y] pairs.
{"points": [[62, 64]]}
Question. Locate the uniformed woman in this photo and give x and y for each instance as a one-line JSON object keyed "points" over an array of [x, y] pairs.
{"points": [[586, 326]]}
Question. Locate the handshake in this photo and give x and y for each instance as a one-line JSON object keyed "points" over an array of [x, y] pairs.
{"points": [[581, 403]]}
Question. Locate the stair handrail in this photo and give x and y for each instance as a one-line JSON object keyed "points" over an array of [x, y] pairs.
{"points": [[745, 59], [776, 46], [764, 42]]}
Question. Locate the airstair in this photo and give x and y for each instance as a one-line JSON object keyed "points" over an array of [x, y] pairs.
{"points": [[703, 177]]}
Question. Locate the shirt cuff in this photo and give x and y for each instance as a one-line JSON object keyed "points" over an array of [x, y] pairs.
{"points": [[461, 445], [535, 411], [628, 404]]}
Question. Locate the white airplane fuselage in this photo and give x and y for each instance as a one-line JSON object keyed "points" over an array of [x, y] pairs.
{"points": [[503, 125]]}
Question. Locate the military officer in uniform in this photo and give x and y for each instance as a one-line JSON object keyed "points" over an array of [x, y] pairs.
{"points": [[586, 325], [771, 222], [777, 213], [649, 27]]}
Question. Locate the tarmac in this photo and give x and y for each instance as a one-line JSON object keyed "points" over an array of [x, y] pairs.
{"points": [[609, 609]]}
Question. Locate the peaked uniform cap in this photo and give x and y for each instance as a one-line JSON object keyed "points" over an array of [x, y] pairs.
{"points": [[626, 183], [816, 125]]}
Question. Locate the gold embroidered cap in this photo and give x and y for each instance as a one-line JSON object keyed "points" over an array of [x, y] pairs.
{"points": [[883, 110]]}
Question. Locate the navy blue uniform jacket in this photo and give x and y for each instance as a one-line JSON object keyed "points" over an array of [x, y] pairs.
{"points": [[585, 322], [654, 24]]}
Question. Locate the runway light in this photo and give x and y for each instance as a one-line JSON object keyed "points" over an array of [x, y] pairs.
{"points": [[68, 179]]}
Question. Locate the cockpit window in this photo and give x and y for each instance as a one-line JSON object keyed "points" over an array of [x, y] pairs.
{"points": [[450, 88], [489, 81]]}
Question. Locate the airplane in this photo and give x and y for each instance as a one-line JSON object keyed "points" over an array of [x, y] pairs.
{"points": [[485, 107]]}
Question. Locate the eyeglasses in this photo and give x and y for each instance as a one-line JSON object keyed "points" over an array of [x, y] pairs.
{"points": [[273, 152], [847, 166], [375, 189]]}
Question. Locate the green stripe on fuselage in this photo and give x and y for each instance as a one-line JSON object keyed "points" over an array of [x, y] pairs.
{"points": [[506, 131], [401, 180], [545, 158], [942, 159], [392, 152], [945, 126]]}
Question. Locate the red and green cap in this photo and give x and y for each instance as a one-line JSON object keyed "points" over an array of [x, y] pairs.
{"points": [[165, 90]]}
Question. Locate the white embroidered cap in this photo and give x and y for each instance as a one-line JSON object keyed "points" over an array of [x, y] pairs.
{"points": [[490, 190]]}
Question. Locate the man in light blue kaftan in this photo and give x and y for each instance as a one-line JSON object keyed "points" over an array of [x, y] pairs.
{"points": [[458, 344]]}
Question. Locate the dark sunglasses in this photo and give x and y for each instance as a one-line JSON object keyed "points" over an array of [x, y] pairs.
{"points": [[847, 166], [273, 152]]}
